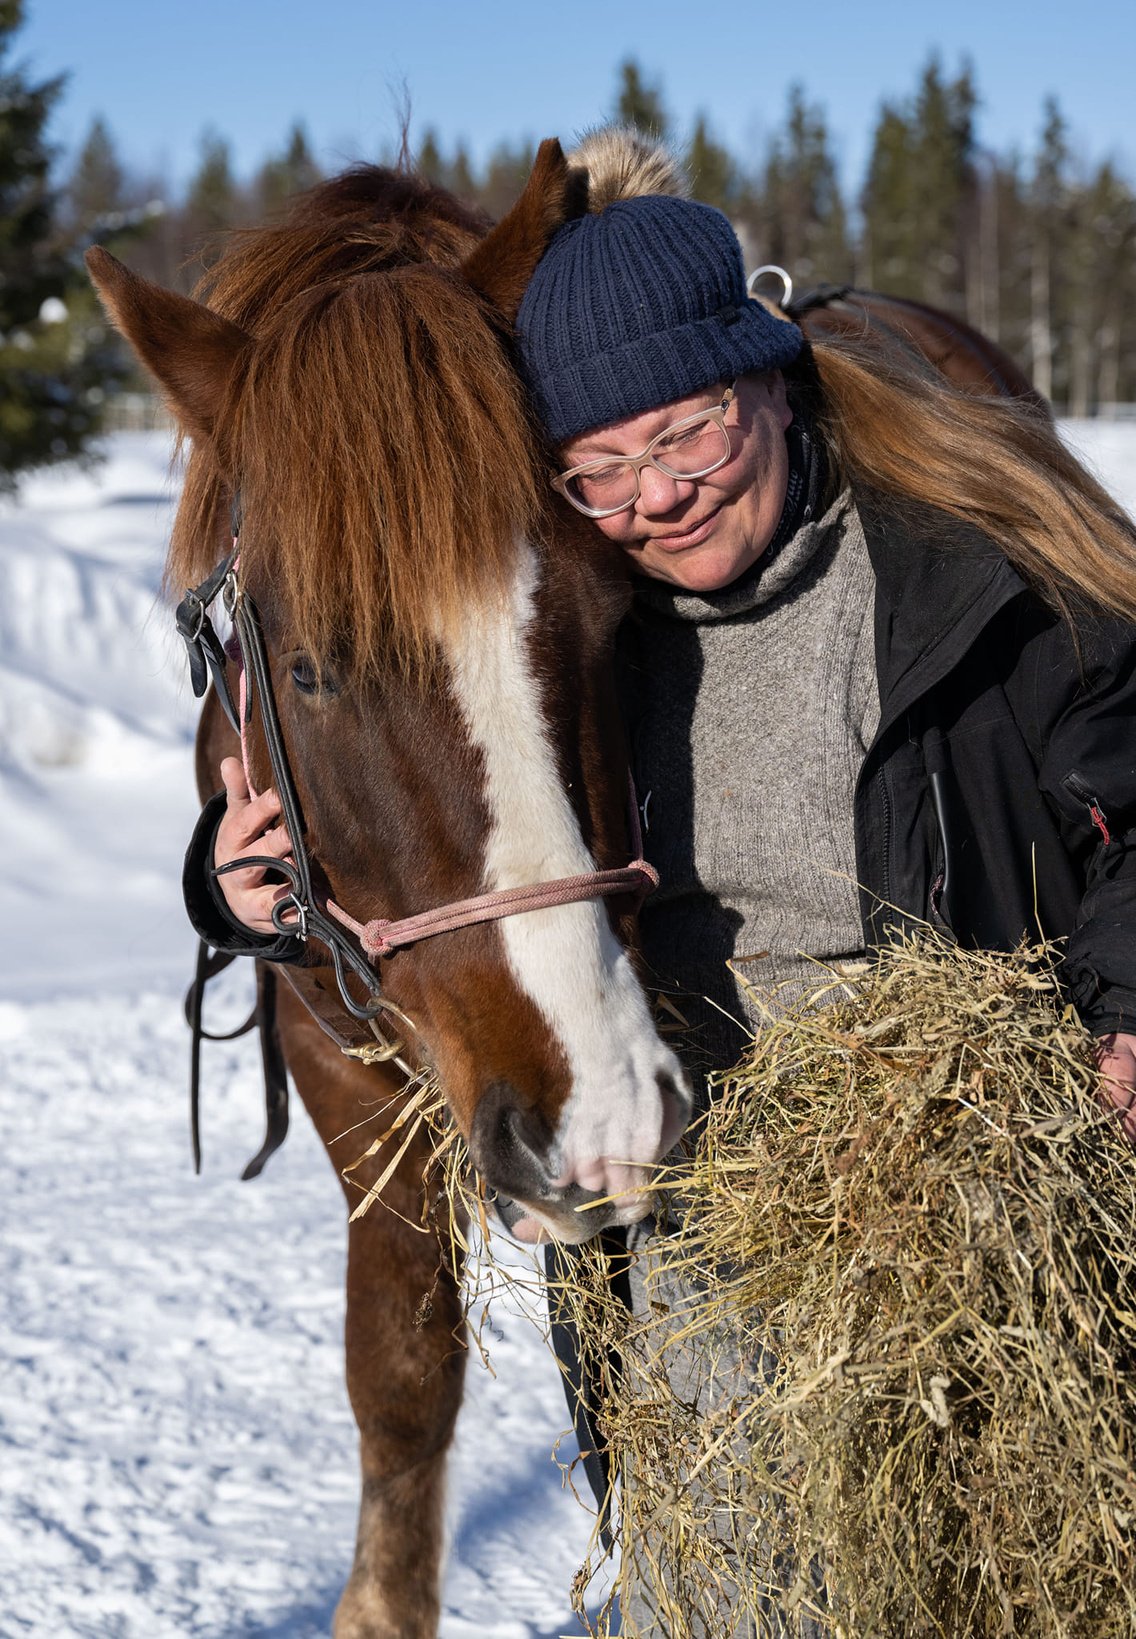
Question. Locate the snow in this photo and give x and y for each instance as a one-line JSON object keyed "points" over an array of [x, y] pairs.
{"points": [[176, 1451], [177, 1455], [1108, 449]]}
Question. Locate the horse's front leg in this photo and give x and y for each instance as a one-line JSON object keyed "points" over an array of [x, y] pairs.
{"points": [[405, 1354], [405, 1364]]}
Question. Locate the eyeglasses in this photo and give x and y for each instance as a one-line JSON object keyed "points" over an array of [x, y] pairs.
{"points": [[694, 447]]}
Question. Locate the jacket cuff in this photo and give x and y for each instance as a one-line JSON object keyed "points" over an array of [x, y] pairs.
{"points": [[1111, 1021], [1102, 1007], [206, 906]]}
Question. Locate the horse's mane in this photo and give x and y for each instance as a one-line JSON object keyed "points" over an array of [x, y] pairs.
{"points": [[375, 425]]}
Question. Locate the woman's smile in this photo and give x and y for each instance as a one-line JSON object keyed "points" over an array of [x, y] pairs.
{"points": [[680, 540]]}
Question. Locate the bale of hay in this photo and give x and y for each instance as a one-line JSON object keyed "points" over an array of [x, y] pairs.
{"points": [[885, 1381]]}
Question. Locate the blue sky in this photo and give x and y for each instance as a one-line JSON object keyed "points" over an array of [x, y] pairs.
{"points": [[161, 72]]}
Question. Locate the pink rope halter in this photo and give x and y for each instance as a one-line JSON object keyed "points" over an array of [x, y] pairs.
{"points": [[382, 937]]}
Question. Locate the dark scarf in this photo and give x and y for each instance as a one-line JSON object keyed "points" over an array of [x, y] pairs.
{"points": [[805, 489]]}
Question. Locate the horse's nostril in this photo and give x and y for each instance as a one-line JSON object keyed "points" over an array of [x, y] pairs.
{"points": [[510, 1143], [677, 1106]]}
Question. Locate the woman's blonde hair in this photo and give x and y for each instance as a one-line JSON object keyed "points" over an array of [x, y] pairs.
{"points": [[893, 424]]}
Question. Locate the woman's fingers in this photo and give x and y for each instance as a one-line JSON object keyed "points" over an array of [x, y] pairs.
{"points": [[256, 908], [276, 843], [233, 778], [247, 828], [1116, 1061], [251, 899], [246, 819]]}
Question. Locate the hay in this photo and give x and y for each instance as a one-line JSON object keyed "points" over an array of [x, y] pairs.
{"points": [[886, 1382]]}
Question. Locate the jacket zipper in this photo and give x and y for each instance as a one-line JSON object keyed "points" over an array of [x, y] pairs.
{"points": [[1077, 788], [885, 804]]}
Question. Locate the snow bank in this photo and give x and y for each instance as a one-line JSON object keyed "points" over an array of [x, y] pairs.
{"points": [[1109, 449], [96, 722]]}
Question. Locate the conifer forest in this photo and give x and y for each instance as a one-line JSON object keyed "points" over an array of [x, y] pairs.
{"points": [[1035, 246]]}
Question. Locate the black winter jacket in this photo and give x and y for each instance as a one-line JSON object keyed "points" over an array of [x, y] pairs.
{"points": [[999, 796], [998, 799]]}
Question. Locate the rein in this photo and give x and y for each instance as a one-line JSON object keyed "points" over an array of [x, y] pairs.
{"points": [[352, 944]]}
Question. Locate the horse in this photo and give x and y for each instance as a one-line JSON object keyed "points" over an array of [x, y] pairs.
{"points": [[966, 357], [429, 634], [426, 662]]}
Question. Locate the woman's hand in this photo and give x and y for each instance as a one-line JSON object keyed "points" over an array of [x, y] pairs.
{"points": [[247, 828], [1116, 1061]]}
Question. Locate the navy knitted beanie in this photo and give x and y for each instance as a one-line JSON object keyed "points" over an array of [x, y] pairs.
{"points": [[639, 304]]}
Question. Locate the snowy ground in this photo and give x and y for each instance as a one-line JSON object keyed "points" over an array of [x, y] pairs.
{"points": [[1109, 449], [176, 1451]]}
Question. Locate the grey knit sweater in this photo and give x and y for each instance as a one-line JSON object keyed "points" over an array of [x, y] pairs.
{"points": [[750, 711]]}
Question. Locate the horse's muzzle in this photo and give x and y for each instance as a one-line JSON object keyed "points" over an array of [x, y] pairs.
{"points": [[569, 1218], [513, 1148]]}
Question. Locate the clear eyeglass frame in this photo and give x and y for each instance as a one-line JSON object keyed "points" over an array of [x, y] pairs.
{"points": [[716, 416]]}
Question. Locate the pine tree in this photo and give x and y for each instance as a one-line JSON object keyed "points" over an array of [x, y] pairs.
{"points": [[54, 358], [1100, 268], [457, 174], [944, 163], [919, 197], [428, 161], [33, 269], [212, 204], [290, 173], [802, 222], [888, 204], [712, 171], [1012, 255], [96, 189], [505, 176], [999, 255], [639, 104], [1049, 206], [460, 179]]}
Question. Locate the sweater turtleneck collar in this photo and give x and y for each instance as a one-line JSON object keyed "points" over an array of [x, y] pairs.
{"points": [[797, 538]]}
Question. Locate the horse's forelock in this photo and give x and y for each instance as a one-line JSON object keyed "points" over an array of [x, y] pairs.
{"points": [[387, 469], [365, 220], [379, 434]]}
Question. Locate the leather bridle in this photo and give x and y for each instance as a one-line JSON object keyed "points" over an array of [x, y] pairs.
{"points": [[303, 912]]}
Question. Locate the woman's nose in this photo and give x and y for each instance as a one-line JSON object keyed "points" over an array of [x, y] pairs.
{"points": [[659, 493]]}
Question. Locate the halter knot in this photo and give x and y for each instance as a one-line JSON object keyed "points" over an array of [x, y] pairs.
{"points": [[372, 938]]}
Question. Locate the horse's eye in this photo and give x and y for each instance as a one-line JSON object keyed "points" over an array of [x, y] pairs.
{"points": [[309, 681]]}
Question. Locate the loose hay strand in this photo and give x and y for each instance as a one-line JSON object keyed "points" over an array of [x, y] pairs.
{"points": [[886, 1383]]}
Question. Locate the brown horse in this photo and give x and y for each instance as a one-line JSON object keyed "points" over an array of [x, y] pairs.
{"points": [[963, 354], [438, 642]]}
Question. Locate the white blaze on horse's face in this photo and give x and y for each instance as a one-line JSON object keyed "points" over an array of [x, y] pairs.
{"points": [[628, 1099]]}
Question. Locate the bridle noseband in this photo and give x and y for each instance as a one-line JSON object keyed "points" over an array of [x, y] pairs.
{"points": [[352, 945]]}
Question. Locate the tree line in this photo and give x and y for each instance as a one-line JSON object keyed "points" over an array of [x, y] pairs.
{"points": [[1036, 248]]}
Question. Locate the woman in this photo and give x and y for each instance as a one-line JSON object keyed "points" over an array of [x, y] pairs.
{"points": [[881, 666]]}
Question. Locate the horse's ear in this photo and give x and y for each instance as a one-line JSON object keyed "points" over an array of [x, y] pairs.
{"points": [[189, 349], [504, 262]]}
